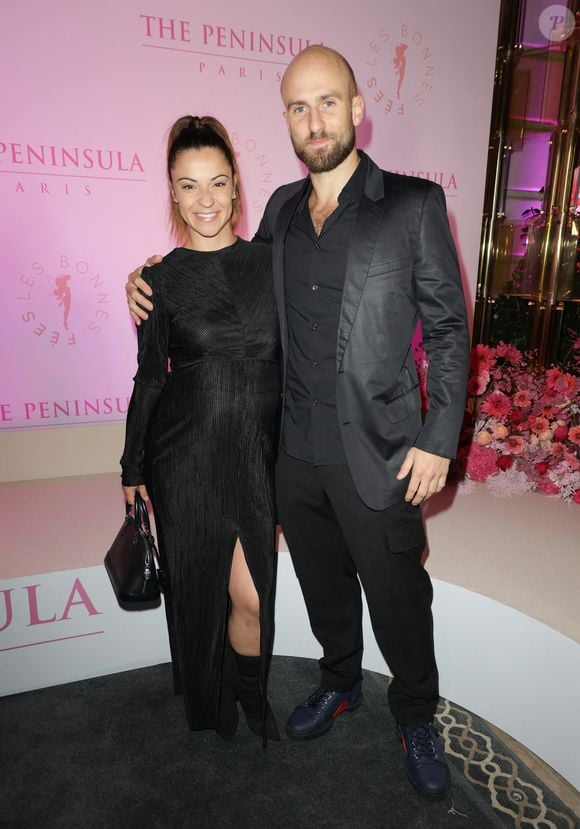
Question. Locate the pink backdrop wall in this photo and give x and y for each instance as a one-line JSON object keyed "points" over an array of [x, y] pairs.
{"points": [[88, 93]]}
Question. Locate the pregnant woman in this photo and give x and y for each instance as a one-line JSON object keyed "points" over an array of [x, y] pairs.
{"points": [[201, 434]]}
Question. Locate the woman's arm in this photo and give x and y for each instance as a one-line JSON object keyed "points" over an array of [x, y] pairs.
{"points": [[152, 358]]}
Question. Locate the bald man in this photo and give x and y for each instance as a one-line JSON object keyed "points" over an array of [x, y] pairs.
{"points": [[360, 256]]}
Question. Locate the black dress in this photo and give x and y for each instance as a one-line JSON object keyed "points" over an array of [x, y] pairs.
{"points": [[202, 438]]}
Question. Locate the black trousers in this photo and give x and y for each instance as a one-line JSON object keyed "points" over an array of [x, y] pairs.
{"points": [[335, 540]]}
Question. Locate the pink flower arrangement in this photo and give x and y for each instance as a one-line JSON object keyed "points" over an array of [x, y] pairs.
{"points": [[481, 462], [524, 419]]}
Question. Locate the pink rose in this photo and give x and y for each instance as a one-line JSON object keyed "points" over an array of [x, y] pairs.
{"points": [[499, 432], [516, 416], [483, 438], [541, 467], [560, 433], [505, 462]]}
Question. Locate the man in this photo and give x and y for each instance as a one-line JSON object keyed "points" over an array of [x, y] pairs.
{"points": [[359, 256]]}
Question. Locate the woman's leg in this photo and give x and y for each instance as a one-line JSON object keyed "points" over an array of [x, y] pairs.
{"points": [[244, 620], [244, 637]]}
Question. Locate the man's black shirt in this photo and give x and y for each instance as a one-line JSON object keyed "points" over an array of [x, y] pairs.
{"points": [[315, 268]]}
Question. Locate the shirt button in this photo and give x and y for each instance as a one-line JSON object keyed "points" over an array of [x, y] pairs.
{"points": [[315, 402], [317, 246], [314, 326], [315, 287], [314, 364]]}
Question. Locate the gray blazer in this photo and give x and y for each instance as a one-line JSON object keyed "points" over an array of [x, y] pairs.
{"points": [[401, 268]]}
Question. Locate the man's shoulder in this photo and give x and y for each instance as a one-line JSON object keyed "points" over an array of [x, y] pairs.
{"points": [[403, 183], [276, 202], [398, 184], [285, 192]]}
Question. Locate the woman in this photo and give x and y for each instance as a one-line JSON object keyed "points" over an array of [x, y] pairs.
{"points": [[200, 437]]}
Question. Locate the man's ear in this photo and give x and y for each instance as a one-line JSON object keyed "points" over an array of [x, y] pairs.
{"points": [[358, 109]]}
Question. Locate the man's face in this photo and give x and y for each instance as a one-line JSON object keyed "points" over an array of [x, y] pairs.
{"points": [[321, 111]]}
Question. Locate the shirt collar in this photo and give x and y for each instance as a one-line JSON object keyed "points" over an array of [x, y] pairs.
{"points": [[352, 190], [354, 187]]}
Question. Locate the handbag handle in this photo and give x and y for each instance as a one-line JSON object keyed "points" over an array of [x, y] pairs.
{"points": [[141, 514]]}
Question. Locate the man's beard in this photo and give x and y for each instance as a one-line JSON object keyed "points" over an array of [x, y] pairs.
{"points": [[325, 159]]}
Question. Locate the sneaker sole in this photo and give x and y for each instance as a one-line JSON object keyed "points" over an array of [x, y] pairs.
{"points": [[325, 728]]}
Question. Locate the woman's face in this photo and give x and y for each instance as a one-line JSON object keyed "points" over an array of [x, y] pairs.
{"points": [[203, 187]]}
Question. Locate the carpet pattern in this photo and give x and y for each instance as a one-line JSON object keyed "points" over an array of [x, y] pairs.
{"points": [[115, 752], [507, 785]]}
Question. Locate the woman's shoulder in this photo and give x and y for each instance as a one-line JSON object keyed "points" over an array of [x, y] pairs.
{"points": [[157, 273]]}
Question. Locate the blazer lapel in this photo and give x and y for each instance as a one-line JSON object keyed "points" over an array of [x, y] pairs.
{"points": [[364, 237], [281, 229]]}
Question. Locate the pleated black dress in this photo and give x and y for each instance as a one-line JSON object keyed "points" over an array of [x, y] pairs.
{"points": [[202, 437]]}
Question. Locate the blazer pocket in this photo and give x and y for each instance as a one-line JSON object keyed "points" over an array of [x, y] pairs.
{"points": [[389, 268], [408, 537], [404, 405]]}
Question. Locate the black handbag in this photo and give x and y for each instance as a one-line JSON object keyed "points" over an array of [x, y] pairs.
{"points": [[130, 561]]}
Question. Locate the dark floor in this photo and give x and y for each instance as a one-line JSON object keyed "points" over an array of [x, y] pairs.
{"points": [[115, 752]]}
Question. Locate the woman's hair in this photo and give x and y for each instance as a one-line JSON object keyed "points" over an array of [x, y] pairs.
{"points": [[195, 133]]}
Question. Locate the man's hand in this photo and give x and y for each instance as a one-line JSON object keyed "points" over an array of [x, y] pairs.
{"points": [[129, 492], [138, 290], [428, 474]]}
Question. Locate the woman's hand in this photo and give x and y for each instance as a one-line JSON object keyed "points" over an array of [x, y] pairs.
{"points": [[138, 290], [129, 492]]}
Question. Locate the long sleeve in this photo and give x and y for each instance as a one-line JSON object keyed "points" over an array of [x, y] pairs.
{"points": [[153, 342], [443, 318]]}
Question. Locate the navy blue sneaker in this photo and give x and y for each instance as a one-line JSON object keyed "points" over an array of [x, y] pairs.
{"points": [[427, 767], [317, 715]]}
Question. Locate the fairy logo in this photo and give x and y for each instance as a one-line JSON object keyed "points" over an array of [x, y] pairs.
{"points": [[402, 70]]}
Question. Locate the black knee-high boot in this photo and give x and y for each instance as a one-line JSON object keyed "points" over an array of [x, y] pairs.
{"points": [[228, 708], [258, 713]]}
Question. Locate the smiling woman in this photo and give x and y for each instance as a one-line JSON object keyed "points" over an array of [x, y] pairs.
{"points": [[200, 438], [205, 195]]}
